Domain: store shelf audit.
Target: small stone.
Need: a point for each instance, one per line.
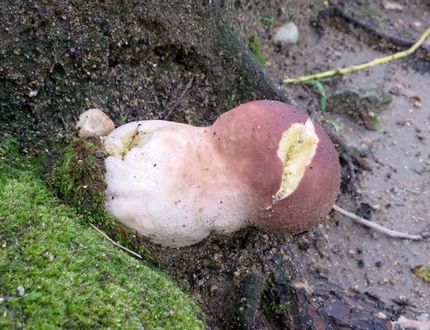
(32, 93)
(286, 34)
(417, 104)
(381, 316)
(350, 253)
(20, 290)
(213, 288)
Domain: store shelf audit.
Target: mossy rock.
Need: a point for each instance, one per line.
(56, 272)
(361, 103)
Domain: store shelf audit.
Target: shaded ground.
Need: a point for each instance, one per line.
(397, 188)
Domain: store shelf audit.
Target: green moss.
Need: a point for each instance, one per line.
(266, 20)
(78, 176)
(338, 126)
(55, 272)
(373, 15)
(422, 272)
(374, 121)
(256, 48)
(280, 308)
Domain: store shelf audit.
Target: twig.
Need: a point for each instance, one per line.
(116, 244)
(179, 99)
(379, 228)
(405, 323)
(337, 11)
(355, 68)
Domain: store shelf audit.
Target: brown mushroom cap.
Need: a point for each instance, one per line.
(249, 137)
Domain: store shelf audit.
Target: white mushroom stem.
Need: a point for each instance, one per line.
(379, 228)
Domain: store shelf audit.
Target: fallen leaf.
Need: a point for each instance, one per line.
(422, 272)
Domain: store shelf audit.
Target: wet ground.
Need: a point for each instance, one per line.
(397, 188)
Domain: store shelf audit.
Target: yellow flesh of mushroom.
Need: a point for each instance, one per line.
(296, 149)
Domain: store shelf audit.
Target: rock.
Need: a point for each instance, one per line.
(381, 316)
(32, 93)
(286, 34)
(20, 291)
(362, 103)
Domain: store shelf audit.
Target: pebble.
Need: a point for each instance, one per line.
(417, 104)
(351, 253)
(213, 288)
(32, 93)
(20, 290)
(423, 317)
(287, 34)
(381, 316)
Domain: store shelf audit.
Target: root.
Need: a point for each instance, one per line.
(116, 244)
(405, 323)
(336, 11)
(179, 99)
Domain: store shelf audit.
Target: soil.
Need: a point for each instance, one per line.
(128, 79)
(149, 60)
(397, 190)
(395, 186)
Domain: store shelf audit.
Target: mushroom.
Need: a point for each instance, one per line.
(263, 163)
